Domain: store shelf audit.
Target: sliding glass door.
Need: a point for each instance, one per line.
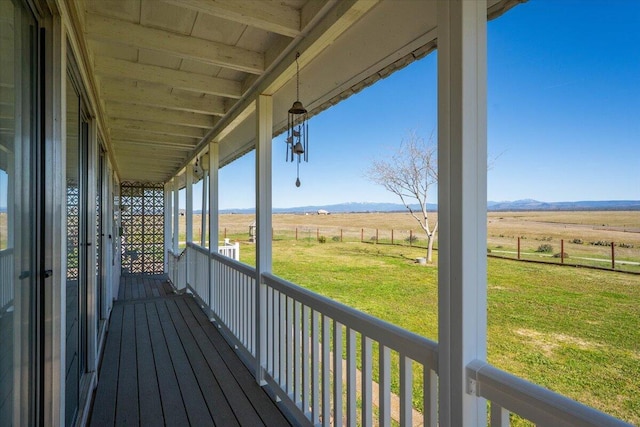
(18, 216)
(77, 247)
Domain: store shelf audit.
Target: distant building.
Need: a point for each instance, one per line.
(323, 212)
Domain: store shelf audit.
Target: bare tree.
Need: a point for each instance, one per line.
(409, 173)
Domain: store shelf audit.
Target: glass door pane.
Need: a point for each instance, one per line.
(17, 218)
(72, 370)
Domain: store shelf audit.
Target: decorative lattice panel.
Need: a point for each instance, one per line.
(73, 230)
(142, 216)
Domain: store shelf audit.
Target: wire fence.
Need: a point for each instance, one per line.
(603, 254)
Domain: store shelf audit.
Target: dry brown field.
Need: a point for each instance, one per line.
(585, 236)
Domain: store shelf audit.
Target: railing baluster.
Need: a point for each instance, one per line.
(326, 370)
(297, 353)
(306, 380)
(315, 367)
(367, 409)
(283, 341)
(352, 420)
(499, 416)
(290, 333)
(337, 373)
(269, 336)
(384, 401)
(430, 392)
(406, 391)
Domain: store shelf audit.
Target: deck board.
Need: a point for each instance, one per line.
(164, 363)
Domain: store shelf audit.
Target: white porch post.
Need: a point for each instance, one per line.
(168, 235)
(264, 135)
(213, 212)
(176, 215)
(203, 211)
(189, 202)
(213, 197)
(462, 206)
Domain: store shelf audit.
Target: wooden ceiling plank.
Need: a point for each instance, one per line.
(150, 144)
(159, 115)
(185, 80)
(159, 128)
(155, 98)
(133, 135)
(117, 31)
(268, 16)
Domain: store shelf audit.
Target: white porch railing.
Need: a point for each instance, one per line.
(6, 279)
(178, 268)
(318, 356)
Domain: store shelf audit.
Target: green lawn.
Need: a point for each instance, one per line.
(575, 331)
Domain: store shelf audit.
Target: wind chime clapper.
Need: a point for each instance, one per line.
(297, 129)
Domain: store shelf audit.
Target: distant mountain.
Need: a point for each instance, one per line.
(518, 205)
(535, 205)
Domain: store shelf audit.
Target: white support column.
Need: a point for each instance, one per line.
(168, 232)
(203, 211)
(176, 215)
(264, 135)
(189, 201)
(462, 205)
(214, 160)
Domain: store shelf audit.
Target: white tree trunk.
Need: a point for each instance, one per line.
(430, 239)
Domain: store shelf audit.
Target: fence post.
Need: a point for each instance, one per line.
(392, 236)
(561, 251)
(225, 232)
(361, 235)
(318, 234)
(518, 247)
(410, 237)
(613, 256)
(341, 235)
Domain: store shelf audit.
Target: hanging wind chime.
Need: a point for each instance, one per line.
(297, 129)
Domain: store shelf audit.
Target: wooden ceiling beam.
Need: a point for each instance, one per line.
(159, 128)
(112, 67)
(155, 98)
(219, 54)
(269, 16)
(159, 115)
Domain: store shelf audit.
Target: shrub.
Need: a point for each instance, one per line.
(488, 250)
(625, 245)
(336, 238)
(560, 255)
(600, 243)
(545, 248)
(373, 238)
(412, 239)
(577, 241)
(322, 239)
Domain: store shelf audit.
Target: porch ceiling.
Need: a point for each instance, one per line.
(172, 75)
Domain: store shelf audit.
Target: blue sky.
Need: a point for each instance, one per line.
(563, 115)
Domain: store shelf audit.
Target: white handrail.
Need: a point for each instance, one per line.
(530, 401)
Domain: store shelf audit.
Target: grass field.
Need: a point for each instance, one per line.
(3, 230)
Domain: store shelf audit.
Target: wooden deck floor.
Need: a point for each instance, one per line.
(164, 363)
